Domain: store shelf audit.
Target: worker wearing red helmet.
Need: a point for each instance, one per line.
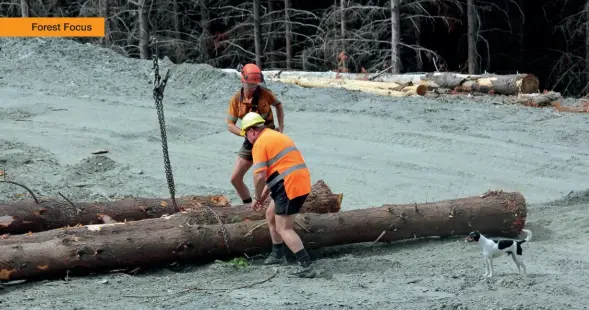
(252, 97)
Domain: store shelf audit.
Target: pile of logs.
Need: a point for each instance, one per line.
(399, 85)
(52, 238)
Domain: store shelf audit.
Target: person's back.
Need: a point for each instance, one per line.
(284, 163)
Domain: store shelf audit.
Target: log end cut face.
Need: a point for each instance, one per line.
(530, 84)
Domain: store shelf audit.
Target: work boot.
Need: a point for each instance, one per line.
(274, 260)
(303, 272)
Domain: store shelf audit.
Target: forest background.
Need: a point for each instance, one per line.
(547, 38)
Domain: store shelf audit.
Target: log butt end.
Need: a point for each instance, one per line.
(530, 84)
(421, 89)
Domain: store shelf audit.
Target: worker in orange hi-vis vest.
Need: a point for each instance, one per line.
(280, 171)
(251, 97)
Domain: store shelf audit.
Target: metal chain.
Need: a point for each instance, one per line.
(223, 230)
(158, 96)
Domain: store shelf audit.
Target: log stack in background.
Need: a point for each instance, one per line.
(399, 85)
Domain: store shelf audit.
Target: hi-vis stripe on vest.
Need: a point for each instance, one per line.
(276, 154)
(267, 164)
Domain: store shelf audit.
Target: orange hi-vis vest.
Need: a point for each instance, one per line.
(276, 153)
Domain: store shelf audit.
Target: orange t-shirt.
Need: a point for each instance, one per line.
(276, 153)
(239, 106)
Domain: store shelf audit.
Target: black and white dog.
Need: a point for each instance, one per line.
(495, 248)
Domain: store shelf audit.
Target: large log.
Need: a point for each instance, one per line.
(174, 238)
(536, 100)
(510, 84)
(28, 216)
(378, 88)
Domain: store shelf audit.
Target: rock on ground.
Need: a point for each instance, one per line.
(60, 101)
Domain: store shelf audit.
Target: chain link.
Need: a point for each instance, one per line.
(223, 230)
(158, 95)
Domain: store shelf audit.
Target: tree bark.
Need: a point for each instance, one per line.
(175, 239)
(510, 84)
(343, 22)
(179, 53)
(271, 37)
(537, 100)
(206, 38)
(288, 34)
(587, 47)
(257, 34)
(25, 11)
(417, 31)
(104, 9)
(377, 88)
(28, 216)
(471, 37)
(143, 20)
(395, 37)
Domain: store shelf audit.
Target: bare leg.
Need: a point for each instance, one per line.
(277, 255)
(271, 218)
(241, 167)
(285, 227)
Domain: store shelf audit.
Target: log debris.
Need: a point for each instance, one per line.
(175, 238)
(510, 84)
(28, 216)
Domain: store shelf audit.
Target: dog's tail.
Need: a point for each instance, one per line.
(528, 237)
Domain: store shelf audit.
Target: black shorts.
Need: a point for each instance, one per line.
(283, 205)
(245, 151)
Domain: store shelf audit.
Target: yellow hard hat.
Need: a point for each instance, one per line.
(249, 120)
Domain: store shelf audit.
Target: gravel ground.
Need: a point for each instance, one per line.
(60, 101)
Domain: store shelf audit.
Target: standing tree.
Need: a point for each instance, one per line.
(257, 33)
(288, 34)
(395, 36)
(104, 13)
(24, 8)
(471, 15)
(143, 21)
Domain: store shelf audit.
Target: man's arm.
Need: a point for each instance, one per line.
(280, 115)
(232, 118)
(277, 104)
(260, 184)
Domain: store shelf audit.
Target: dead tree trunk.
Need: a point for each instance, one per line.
(178, 48)
(24, 8)
(143, 21)
(343, 22)
(104, 13)
(205, 38)
(271, 37)
(417, 33)
(472, 35)
(257, 34)
(288, 34)
(395, 37)
(176, 239)
(587, 46)
(28, 216)
(520, 31)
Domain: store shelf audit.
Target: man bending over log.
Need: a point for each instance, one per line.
(252, 97)
(279, 170)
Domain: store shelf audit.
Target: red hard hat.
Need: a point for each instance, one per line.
(251, 73)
